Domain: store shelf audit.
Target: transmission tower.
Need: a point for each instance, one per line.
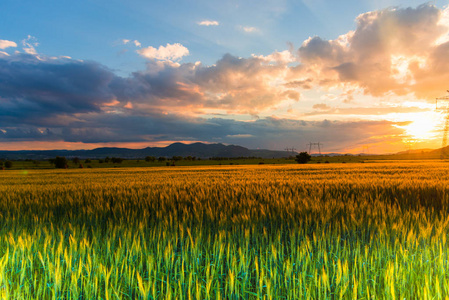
(292, 149)
(314, 144)
(444, 151)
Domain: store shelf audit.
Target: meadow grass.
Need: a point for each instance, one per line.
(354, 231)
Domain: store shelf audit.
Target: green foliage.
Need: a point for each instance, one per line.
(117, 160)
(60, 162)
(303, 158)
(150, 159)
(8, 164)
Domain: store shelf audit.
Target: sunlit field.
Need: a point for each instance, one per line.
(322, 231)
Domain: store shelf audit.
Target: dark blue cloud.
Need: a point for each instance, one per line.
(31, 87)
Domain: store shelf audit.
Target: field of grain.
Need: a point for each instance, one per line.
(338, 231)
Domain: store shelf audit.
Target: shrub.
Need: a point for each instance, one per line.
(150, 159)
(8, 164)
(116, 160)
(60, 162)
(303, 158)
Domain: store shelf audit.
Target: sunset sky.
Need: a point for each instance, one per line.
(357, 76)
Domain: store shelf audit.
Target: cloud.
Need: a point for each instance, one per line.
(396, 50)
(237, 85)
(208, 23)
(37, 89)
(321, 106)
(393, 51)
(29, 45)
(6, 44)
(81, 101)
(33, 88)
(171, 52)
(271, 133)
(249, 29)
(239, 136)
(135, 42)
(283, 57)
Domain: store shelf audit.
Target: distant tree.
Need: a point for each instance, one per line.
(303, 158)
(176, 158)
(1, 163)
(150, 159)
(8, 164)
(161, 158)
(87, 161)
(60, 162)
(76, 160)
(116, 160)
(107, 159)
(100, 161)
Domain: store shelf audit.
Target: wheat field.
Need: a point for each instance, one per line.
(335, 231)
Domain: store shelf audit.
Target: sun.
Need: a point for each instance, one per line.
(424, 126)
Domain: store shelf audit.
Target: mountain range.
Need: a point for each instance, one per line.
(199, 150)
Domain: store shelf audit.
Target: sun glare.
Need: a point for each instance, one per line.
(422, 127)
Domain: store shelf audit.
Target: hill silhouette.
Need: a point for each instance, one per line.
(200, 150)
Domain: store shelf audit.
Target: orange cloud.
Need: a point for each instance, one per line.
(392, 50)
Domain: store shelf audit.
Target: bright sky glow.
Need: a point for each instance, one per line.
(270, 74)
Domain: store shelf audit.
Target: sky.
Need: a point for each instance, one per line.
(356, 76)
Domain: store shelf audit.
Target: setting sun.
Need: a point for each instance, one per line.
(422, 128)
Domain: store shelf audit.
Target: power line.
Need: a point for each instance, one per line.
(314, 144)
(444, 151)
(292, 150)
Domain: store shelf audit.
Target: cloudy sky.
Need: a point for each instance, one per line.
(357, 75)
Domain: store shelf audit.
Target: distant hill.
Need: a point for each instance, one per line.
(177, 149)
(418, 151)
